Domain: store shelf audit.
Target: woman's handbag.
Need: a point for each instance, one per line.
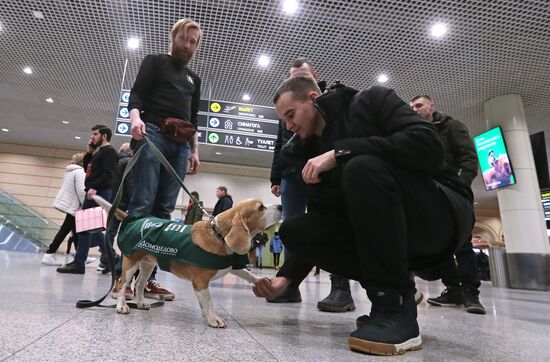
(91, 220)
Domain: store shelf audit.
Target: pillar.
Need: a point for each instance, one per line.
(527, 245)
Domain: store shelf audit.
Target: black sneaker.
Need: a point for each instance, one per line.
(362, 320)
(391, 328)
(339, 300)
(449, 298)
(289, 295)
(72, 268)
(472, 303)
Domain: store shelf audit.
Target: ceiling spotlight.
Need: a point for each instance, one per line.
(438, 30)
(38, 14)
(5, 130)
(49, 100)
(1, 27)
(65, 122)
(27, 70)
(382, 78)
(246, 97)
(263, 61)
(290, 6)
(133, 43)
(218, 153)
(77, 137)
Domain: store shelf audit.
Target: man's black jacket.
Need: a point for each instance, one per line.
(223, 203)
(460, 153)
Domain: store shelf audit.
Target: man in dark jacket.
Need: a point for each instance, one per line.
(225, 201)
(287, 182)
(377, 159)
(99, 164)
(460, 278)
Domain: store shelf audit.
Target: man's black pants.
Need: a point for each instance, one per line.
(462, 273)
(396, 221)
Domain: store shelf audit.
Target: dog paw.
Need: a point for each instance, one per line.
(216, 322)
(122, 308)
(144, 306)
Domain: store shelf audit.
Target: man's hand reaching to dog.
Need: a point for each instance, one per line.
(316, 165)
(270, 288)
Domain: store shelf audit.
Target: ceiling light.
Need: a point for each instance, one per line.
(290, 6)
(65, 122)
(5, 130)
(133, 43)
(1, 27)
(438, 30)
(246, 97)
(263, 61)
(382, 78)
(77, 137)
(27, 70)
(218, 153)
(38, 14)
(49, 100)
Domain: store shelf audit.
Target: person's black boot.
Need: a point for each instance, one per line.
(391, 327)
(450, 297)
(472, 303)
(339, 300)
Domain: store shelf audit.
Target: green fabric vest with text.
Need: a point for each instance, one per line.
(170, 240)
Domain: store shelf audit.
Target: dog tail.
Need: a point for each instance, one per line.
(106, 205)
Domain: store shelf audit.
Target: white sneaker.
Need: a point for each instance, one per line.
(89, 260)
(49, 259)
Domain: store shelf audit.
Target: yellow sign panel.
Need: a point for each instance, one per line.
(215, 107)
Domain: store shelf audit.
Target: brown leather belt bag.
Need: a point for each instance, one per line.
(177, 130)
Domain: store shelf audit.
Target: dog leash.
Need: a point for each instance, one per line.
(170, 170)
(110, 257)
(116, 202)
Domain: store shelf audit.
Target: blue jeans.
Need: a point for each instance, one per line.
(260, 254)
(155, 191)
(87, 240)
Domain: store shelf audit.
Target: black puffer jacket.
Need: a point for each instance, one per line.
(374, 121)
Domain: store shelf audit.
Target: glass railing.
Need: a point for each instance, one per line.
(24, 220)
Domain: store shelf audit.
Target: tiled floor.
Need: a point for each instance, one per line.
(39, 322)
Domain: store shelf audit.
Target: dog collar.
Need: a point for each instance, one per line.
(215, 228)
(220, 236)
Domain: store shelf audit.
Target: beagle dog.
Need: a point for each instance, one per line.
(210, 252)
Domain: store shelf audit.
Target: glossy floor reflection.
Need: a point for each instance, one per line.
(39, 322)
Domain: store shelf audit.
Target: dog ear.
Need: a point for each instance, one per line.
(238, 238)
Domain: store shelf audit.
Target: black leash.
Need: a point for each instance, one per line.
(110, 256)
(116, 202)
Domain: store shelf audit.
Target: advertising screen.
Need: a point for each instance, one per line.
(493, 159)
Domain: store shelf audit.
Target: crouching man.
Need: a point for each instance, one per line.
(383, 163)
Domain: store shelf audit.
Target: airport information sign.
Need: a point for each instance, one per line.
(221, 123)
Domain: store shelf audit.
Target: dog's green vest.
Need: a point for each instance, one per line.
(170, 240)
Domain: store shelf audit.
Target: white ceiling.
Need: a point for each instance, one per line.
(78, 52)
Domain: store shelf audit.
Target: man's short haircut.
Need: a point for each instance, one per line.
(299, 86)
(422, 96)
(301, 61)
(103, 130)
(184, 24)
(223, 188)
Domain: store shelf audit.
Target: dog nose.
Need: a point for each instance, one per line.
(280, 208)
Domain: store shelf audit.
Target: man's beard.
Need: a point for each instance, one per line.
(180, 57)
(98, 143)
